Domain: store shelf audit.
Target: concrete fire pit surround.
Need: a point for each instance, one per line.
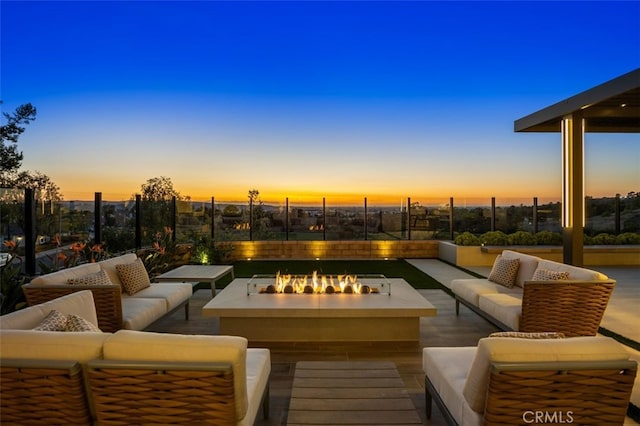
(320, 317)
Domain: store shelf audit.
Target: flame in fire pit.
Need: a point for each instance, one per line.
(316, 284)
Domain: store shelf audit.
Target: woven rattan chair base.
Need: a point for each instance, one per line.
(35, 393)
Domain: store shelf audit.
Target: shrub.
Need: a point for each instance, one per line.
(628, 238)
(467, 239)
(602, 239)
(548, 238)
(522, 238)
(494, 238)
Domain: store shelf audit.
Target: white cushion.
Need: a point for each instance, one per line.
(470, 289)
(172, 293)
(528, 265)
(79, 303)
(64, 275)
(575, 272)
(258, 370)
(139, 313)
(493, 349)
(109, 266)
(78, 346)
(447, 370)
(504, 307)
(142, 346)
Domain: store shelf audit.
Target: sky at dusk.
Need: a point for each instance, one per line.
(305, 100)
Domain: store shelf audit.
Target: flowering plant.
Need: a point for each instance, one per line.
(12, 278)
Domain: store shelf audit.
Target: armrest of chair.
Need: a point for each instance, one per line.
(107, 300)
(574, 308)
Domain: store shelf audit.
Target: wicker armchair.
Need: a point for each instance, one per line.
(42, 392)
(127, 392)
(107, 300)
(570, 307)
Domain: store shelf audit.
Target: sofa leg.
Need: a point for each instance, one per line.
(186, 311)
(457, 308)
(265, 403)
(427, 400)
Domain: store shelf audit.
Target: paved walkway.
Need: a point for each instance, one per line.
(621, 317)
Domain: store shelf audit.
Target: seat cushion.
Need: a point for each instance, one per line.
(447, 370)
(143, 346)
(504, 307)
(173, 294)
(258, 371)
(470, 289)
(139, 313)
(496, 349)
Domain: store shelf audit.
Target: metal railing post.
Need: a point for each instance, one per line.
(174, 220)
(213, 218)
(138, 217)
(493, 213)
(366, 220)
(324, 220)
(97, 218)
(250, 219)
(286, 219)
(29, 232)
(451, 218)
(534, 215)
(617, 215)
(408, 218)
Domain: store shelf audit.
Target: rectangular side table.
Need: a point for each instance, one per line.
(198, 274)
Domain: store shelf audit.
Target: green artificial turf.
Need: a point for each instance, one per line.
(388, 268)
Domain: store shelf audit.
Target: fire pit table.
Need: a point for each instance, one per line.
(392, 315)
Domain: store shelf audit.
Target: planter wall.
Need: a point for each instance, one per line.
(485, 256)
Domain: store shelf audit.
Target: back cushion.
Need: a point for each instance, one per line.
(528, 265)
(64, 275)
(497, 349)
(109, 266)
(146, 346)
(575, 272)
(69, 346)
(79, 303)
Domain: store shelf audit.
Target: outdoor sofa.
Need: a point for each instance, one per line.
(530, 294)
(126, 377)
(133, 303)
(526, 378)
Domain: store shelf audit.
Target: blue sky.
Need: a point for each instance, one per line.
(312, 99)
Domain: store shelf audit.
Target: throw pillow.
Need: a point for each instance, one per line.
(547, 275)
(54, 321)
(99, 278)
(505, 271)
(76, 323)
(134, 276)
(521, 335)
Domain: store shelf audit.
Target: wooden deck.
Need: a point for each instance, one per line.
(445, 329)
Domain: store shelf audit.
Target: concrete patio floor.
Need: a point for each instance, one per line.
(445, 329)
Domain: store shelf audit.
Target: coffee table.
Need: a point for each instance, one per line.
(198, 274)
(350, 393)
(320, 317)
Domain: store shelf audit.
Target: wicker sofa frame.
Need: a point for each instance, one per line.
(107, 300)
(118, 393)
(34, 391)
(569, 392)
(574, 308)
